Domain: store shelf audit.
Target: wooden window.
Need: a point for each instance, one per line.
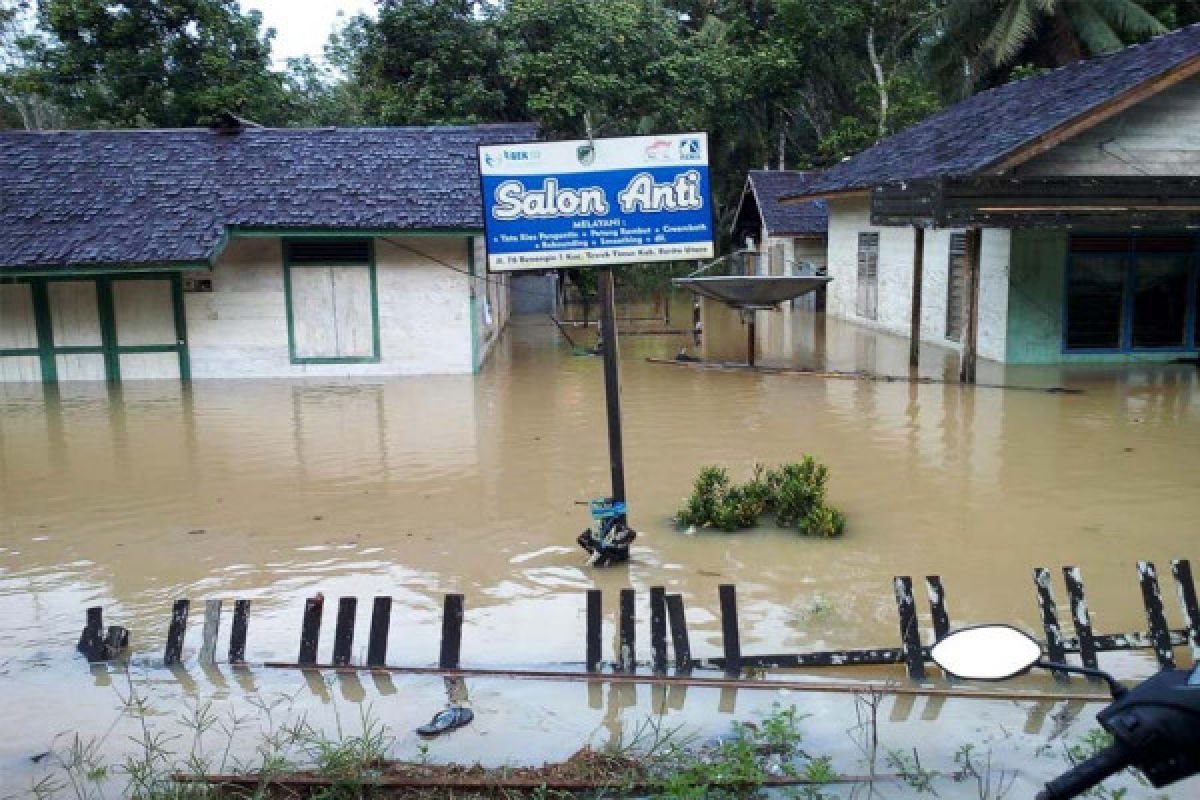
(332, 303)
(956, 286)
(868, 276)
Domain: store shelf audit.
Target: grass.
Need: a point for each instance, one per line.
(794, 493)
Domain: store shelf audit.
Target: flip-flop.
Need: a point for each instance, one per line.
(446, 720)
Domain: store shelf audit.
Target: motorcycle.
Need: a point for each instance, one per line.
(1155, 726)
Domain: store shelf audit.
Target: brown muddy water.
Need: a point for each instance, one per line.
(414, 487)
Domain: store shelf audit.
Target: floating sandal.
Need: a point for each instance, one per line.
(446, 720)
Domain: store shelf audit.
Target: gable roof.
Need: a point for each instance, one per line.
(987, 128)
(129, 197)
(760, 205)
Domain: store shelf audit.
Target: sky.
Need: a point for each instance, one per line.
(302, 26)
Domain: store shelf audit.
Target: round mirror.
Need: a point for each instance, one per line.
(986, 653)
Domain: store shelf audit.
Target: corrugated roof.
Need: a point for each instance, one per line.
(981, 130)
(166, 196)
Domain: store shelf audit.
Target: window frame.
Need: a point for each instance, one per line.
(860, 274)
(288, 266)
(1128, 295)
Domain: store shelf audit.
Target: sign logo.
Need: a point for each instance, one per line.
(586, 154)
(689, 149)
(659, 150)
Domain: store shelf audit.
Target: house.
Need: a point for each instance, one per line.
(784, 235)
(1061, 216)
(242, 251)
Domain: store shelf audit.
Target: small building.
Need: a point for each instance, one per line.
(242, 251)
(785, 236)
(1075, 235)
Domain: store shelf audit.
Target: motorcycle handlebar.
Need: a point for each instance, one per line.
(1086, 774)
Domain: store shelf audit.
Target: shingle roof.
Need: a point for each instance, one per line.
(794, 219)
(975, 133)
(166, 196)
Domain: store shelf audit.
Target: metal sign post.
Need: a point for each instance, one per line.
(598, 203)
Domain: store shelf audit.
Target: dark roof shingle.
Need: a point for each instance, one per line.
(166, 196)
(980, 130)
(793, 219)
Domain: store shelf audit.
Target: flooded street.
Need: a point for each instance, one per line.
(414, 487)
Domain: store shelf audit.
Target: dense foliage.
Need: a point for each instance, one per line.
(795, 83)
(794, 493)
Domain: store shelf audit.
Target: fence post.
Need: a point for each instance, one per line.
(1081, 619)
(1152, 599)
(910, 636)
(1049, 611)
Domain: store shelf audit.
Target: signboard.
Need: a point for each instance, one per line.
(555, 205)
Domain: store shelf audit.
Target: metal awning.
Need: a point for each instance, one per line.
(1060, 201)
(753, 292)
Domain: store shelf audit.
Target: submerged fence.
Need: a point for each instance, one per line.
(670, 644)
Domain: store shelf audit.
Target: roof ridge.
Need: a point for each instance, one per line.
(262, 129)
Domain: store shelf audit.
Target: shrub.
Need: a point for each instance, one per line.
(795, 493)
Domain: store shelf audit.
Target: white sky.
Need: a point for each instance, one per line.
(303, 26)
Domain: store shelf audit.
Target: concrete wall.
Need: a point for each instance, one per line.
(848, 217)
(1159, 136)
(534, 294)
(240, 328)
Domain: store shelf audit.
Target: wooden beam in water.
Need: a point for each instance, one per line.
(452, 621)
(237, 633)
(381, 620)
(343, 632)
(173, 653)
(910, 634)
(1152, 599)
(310, 629)
(1081, 618)
(1186, 589)
(595, 625)
(658, 627)
(208, 634)
(914, 330)
(680, 643)
(731, 641)
(937, 607)
(967, 368)
(1049, 612)
(627, 635)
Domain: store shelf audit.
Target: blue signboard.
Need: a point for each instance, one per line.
(554, 205)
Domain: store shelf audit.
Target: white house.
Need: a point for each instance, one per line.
(244, 251)
(1097, 279)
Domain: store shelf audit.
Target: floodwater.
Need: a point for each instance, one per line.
(414, 487)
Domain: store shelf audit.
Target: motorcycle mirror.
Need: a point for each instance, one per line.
(987, 653)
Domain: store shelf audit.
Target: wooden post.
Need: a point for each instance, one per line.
(595, 607)
(179, 614)
(731, 640)
(208, 635)
(1182, 570)
(377, 644)
(1152, 599)
(658, 627)
(910, 635)
(343, 632)
(974, 241)
(237, 633)
(751, 336)
(1081, 618)
(1049, 611)
(452, 620)
(937, 607)
(91, 640)
(310, 629)
(914, 342)
(679, 634)
(612, 387)
(627, 657)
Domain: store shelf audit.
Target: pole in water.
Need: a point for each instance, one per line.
(609, 544)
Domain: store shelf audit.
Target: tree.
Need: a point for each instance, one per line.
(159, 63)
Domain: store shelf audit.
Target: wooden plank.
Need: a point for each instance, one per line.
(680, 642)
(595, 625)
(1152, 599)
(627, 636)
(937, 607)
(343, 632)
(381, 620)
(658, 628)
(310, 630)
(879, 656)
(1049, 613)
(1185, 587)
(969, 359)
(174, 651)
(452, 621)
(237, 633)
(1081, 618)
(910, 635)
(914, 331)
(731, 641)
(208, 635)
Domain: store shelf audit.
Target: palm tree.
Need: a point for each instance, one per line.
(981, 41)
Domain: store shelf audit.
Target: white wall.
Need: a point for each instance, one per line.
(849, 217)
(1158, 136)
(240, 328)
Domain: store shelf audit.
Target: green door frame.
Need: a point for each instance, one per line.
(109, 348)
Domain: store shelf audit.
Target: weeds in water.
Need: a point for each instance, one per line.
(909, 769)
(795, 493)
(990, 784)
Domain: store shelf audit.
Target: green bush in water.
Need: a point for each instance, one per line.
(795, 493)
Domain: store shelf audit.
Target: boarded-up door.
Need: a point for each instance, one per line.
(332, 310)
